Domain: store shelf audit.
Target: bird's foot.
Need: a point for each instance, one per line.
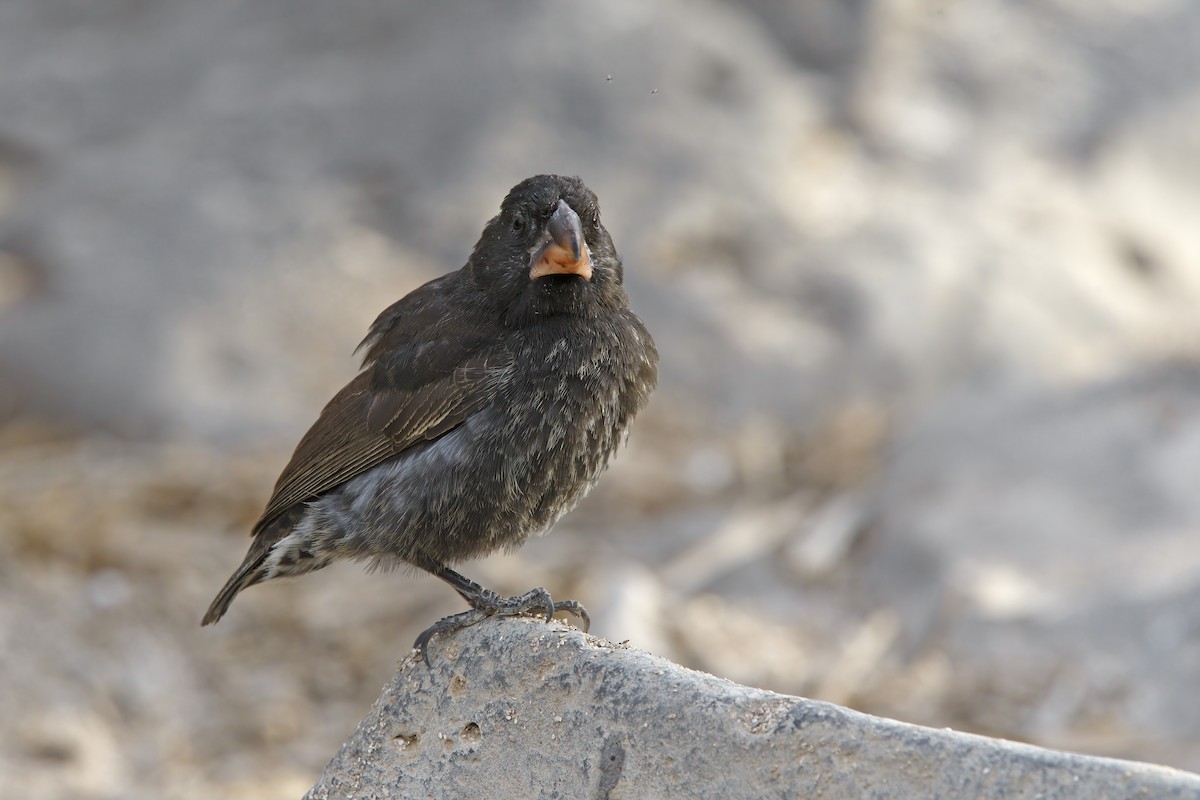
(486, 603)
(454, 622)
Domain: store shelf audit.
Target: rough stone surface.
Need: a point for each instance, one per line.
(515, 709)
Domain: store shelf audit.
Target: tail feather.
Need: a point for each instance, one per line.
(253, 569)
(250, 573)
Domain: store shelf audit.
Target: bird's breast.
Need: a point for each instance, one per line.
(566, 409)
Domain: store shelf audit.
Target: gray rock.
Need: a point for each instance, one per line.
(203, 205)
(515, 709)
(1058, 537)
(223, 196)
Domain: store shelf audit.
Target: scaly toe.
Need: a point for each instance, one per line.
(575, 608)
(450, 624)
(535, 602)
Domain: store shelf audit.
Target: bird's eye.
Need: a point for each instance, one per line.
(518, 223)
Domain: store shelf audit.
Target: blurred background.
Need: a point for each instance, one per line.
(924, 276)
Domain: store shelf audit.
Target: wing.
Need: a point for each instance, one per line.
(427, 369)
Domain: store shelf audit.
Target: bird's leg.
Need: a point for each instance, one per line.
(486, 603)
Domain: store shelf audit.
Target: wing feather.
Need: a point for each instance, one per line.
(361, 428)
(426, 371)
(432, 360)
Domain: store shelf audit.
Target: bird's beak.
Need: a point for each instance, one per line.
(563, 250)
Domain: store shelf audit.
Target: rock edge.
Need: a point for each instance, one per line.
(519, 709)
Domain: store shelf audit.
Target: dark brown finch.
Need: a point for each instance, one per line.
(489, 402)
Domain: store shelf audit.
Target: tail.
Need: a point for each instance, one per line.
(248, 574)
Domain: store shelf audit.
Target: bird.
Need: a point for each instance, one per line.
(489, 402)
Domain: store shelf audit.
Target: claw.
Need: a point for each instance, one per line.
(490, 604)
(454, 622)
(575, 608)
